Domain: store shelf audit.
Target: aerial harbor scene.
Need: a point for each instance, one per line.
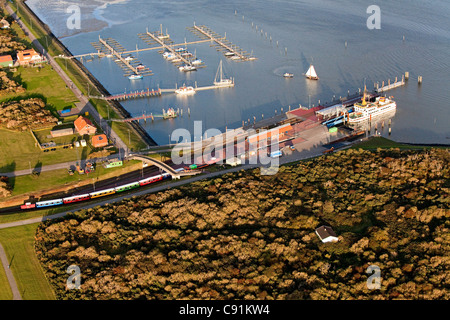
(207, 151)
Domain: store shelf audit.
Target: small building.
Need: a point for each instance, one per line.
(83, 143)
(61, 132)
(84, 126)
(6, 61)
(326, 234)
(99, 141)
(4, 24)
(28, 57)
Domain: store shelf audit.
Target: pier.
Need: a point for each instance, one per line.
(222, 44)
(112, 48)
(152, 93)
(390, 85)
(131, 95)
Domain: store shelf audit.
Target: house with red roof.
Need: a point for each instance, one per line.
(84, 126)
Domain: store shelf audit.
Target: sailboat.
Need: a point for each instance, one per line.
(311, 73)
(219, 80)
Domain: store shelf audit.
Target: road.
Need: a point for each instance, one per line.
(9, 275)
(80, 96)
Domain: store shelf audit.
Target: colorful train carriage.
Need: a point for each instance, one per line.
(102, 193)
(127, 187)
(78, 198)
(150, 180)
(49, 203)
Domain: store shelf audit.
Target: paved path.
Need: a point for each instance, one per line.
(9, 275)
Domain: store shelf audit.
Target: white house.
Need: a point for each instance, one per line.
(326, 234)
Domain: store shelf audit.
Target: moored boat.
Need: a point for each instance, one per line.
(219, 80)
(365, 110)
(135, 77)
(187, 68)
(185, 90)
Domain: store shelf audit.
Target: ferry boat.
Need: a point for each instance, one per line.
(288, 75)
(135, 77)
(367, 110)
(185, 90)
(219, 80)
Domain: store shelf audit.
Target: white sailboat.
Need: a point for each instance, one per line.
(311, 73)
(219, 80)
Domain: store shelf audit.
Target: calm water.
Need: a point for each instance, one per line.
(312, 31)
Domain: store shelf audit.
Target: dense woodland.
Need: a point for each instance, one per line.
(247, 236)
(8, 85)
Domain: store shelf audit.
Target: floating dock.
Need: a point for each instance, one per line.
(221, 43)
(130, 65)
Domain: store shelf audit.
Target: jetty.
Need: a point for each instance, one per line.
(130, 95)
(390, 85)
(171, 113)
(221, 43)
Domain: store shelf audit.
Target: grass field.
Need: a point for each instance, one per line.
(18, 152)
(45, 83)
(18, 243)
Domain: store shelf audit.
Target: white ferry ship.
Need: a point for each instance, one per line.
(367, 110)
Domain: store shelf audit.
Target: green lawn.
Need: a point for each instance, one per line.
(19, 246)
(18, 152)
(45, 83)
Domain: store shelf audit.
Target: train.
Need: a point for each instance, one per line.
(97, 194)
(110, 191)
